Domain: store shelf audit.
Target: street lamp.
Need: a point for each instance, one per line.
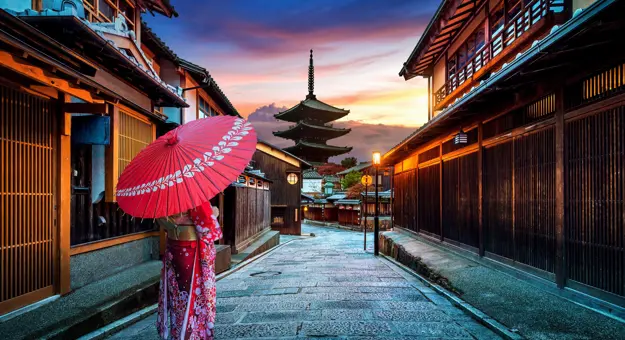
(376, 219)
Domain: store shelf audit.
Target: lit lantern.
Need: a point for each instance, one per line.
(305, 208)
(292, 178)
(376, 158)
(461, 138)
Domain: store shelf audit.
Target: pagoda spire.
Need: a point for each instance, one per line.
(311, 78)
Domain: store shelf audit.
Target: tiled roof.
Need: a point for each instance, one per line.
(208, 79)
(331, 179)
(312, 174)
(359, 167)
(336, 197)
(348, 202)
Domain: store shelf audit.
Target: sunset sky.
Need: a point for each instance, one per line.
(257, 51)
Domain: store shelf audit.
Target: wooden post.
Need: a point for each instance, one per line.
(560, 159)
(440, 188)
(112, 156)
(65, 195)
(480, 187)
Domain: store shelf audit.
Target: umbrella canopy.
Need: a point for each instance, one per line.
(186, 167)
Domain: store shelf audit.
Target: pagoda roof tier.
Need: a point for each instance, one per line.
(316, 152)
(303, 129)
(312, 109)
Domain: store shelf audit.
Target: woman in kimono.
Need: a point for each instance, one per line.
(186, 304)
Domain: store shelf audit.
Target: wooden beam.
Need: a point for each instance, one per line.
(112, 156)
(86, 108)
(440, 188)
(64, 196)
(24, 68)
(480, 188)
(92, 246)
(47, 91)
(560, 160)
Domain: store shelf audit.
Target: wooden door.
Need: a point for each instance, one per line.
(82, 226)
(27, 198)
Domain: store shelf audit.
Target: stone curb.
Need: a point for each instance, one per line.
(145, 312)
(475, 313)
(120, 324)
(144, 295)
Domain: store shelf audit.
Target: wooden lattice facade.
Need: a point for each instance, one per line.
(539, 183)
(27, 195)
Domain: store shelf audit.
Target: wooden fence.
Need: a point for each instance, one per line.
(247, 213)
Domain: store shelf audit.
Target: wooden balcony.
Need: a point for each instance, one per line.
(514, 37)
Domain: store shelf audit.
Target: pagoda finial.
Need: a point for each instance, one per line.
(311, 78)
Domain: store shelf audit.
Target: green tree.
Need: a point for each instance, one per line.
(349, 162)
(350, 179)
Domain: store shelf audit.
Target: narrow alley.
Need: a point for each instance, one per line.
(327, 286)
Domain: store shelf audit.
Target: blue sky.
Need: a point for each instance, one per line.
(258, 52)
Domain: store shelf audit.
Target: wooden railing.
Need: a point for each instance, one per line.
(498, 43)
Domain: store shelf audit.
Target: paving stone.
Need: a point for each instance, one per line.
(343, 305)
(329, 288)
(258, 307)
(346, 314)
(256, 330)
(431, 329)
(228, 318)
(333, 328)
(281, 316)
(403, 315)
(226, 308)
(401, 305)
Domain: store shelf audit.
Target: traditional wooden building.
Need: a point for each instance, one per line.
(521, 159)
(312, 129)
(285, 171)
(349, 212)
(78, 98)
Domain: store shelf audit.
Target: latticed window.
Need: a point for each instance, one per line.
(107, 10)
(134, 135)
(204, 109)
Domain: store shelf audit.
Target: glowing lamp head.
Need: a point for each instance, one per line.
(376, 158)
(292, 178)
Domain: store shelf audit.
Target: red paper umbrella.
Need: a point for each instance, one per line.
(186, 167)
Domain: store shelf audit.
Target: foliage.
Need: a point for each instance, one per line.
(329, 169)
(349, 162)
(351, 179)
(355, 190)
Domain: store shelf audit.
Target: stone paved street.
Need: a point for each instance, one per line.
(327, 286)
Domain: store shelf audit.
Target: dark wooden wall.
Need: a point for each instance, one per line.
(524, 196)
(349, 217)
(247, 214)
(286, 197)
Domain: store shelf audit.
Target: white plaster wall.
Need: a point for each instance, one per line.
(311, 185)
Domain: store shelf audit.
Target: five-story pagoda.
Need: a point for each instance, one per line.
(312, 131)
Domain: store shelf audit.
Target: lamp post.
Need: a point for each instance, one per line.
(376, 219)
(366, 180)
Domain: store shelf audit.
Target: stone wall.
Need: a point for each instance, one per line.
(98, 264)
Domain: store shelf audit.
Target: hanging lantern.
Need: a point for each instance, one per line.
(292, 178)
(461, 138)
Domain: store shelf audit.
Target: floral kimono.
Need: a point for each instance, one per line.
(186, 304)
